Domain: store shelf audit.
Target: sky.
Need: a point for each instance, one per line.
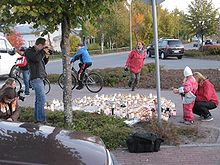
(183, 4)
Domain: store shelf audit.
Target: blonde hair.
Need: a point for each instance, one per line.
(199, 76)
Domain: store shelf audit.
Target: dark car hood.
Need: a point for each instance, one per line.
(41, 144)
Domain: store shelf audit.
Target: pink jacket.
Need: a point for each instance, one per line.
(135, 61)
(190, 84)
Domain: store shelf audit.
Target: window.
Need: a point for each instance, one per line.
(175, 43)
(3, 46)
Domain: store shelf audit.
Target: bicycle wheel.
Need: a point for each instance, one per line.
(15, 72)
(61, 81)
(94, 82)
(18, 84)
(47, 86)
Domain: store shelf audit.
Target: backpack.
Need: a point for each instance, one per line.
(21, 61)
(143, 142)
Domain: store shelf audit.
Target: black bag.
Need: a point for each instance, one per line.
(143, 142)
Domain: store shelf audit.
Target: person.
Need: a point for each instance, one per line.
(37, 57)
(187, 91)
(206, 97)
(10, 82)
(85, 61)
(134, 63)
(25, 72)
(8, 104)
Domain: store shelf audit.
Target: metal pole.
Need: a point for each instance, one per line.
(130, 27)
(154, 11)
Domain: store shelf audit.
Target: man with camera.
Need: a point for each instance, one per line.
(37, 57)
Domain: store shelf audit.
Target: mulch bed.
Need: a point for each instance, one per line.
(173, 78)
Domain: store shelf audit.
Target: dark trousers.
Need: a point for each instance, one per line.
(202, 108)
(82, 68)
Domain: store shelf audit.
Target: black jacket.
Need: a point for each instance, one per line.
(36, 60)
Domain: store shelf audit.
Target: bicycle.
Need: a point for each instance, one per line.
(16, 73)
(92, 80)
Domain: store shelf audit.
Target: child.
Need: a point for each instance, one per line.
(134, 63)
(187, 91)
(25, 72)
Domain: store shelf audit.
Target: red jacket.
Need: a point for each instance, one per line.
(207, 92)
(135, 61)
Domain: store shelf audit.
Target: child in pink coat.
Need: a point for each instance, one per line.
(187, 91)
(134, 63)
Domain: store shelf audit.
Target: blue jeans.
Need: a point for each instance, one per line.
(39, 112)
(25, 74)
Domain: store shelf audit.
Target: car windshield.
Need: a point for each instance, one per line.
(175, 43)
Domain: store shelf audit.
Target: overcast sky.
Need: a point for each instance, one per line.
(183, 4)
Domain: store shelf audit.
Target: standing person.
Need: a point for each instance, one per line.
(134, 63)
(8, 104)
(85, 61)
(187, 91)
(206, 97)
(37, 57)
(25, 72)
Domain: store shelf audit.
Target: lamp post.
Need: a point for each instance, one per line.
(154, 13)
(130, 3)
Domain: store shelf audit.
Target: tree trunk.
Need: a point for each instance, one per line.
(67, 92)
(102, 42)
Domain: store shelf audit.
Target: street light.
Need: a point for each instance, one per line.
(154, 13)
(130, 3)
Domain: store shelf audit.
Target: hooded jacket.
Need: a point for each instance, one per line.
(135, 61)
(206, 92)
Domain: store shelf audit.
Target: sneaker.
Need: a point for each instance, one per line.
(129, 84)
(187, 122)
(209, 118)
(79, 87)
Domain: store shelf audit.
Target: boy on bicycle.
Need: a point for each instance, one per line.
(85, 61)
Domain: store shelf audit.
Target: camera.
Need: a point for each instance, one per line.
(50, 51)
(20, 97)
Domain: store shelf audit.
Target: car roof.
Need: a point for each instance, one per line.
(33, 143)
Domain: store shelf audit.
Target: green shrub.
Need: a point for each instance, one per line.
(53, 78)
(112, 130)
(94, 46)
(194, 53)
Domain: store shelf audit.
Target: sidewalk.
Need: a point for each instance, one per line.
(205, 154)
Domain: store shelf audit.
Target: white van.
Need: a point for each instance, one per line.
(8, 56)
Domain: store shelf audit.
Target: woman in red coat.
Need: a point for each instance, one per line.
(134, 63)
(206, 97)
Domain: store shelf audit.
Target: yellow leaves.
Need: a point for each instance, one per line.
(138, 18)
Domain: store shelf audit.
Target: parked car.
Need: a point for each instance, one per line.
(167, 48)
(208, 42)
(28, 143)
(8, 56)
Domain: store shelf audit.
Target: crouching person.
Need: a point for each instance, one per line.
(8, 104)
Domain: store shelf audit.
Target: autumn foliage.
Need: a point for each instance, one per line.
(15, 39)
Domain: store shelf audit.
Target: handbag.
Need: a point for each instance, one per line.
(188, 98)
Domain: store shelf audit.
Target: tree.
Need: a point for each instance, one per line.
(51, 14)
(15, 39)
(202, 18)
